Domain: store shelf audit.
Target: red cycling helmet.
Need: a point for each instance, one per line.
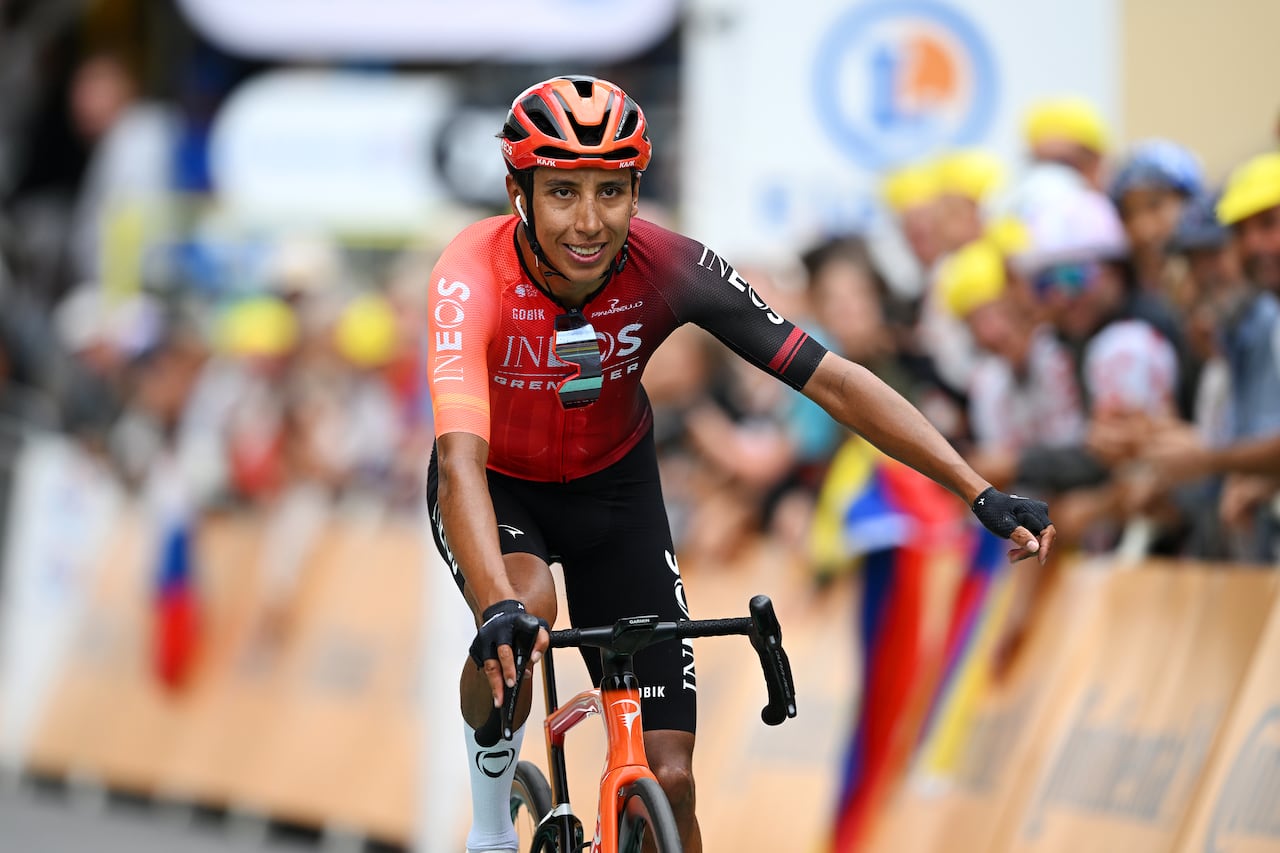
(575, 122)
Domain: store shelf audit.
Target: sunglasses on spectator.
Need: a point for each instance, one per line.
(1070, 279)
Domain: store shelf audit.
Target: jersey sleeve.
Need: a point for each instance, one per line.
(462, 316)
(710, 293)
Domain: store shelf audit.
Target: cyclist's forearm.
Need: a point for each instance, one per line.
(858, 399)
(469, 522)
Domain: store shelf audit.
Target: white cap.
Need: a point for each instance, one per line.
(1080, 225)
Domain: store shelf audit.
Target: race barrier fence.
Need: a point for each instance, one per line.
(1142, 712)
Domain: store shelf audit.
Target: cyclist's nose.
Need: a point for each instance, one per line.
(588, 218)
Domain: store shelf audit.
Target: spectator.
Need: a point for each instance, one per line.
(1024, 391)
(965, 179)
(1152, 184)
(1126, 367)
(1068, 131)
(1250, 207)
(911, 195)
(131, 150)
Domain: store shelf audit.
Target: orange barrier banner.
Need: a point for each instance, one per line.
(973, 764)
(307, 716)
(1172, 647)
(1238, 806)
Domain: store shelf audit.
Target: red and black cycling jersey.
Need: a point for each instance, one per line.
(492, 370)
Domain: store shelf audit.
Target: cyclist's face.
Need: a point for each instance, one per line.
(582, 217)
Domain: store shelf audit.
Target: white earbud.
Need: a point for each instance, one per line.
(520, 210)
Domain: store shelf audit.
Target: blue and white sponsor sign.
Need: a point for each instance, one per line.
(795, 111)
(895, 81)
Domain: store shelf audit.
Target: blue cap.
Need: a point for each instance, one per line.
(1158, 163)
(1198, 227)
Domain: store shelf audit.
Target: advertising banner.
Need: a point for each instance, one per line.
(341, 150)
(1173, 646)
(439, 30)
(283, 709)
(1238, 807)
(793, 112)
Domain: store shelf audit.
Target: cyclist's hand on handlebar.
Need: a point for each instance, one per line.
(492, 647)
(1022, 520)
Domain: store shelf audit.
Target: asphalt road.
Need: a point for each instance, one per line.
(36, 819)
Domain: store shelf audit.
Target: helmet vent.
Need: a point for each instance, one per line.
(585, 86)
(513, 130)
(553, 153)
(537, 112)
(630, 118)
(588, 134)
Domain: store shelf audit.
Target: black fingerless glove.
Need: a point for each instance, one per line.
(1002, 514)
(497, 628)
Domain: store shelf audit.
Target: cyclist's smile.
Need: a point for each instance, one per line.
(582, 218)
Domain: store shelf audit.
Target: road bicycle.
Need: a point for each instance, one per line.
(632, 807)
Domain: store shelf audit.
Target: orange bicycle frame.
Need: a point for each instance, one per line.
(625, 760)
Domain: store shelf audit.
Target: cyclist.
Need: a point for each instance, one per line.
(540, 326)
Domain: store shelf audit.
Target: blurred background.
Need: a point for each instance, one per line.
(1055, 227)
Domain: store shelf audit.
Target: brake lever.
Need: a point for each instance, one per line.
(500, 722)
(766, 638)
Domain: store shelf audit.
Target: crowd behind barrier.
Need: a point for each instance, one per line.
(187, 405)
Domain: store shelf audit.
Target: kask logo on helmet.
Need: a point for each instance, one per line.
(894, 81)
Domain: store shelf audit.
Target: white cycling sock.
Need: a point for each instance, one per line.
(492, 769)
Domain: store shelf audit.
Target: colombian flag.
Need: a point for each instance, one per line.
(978, 616)
(175, 617)
(898, 526)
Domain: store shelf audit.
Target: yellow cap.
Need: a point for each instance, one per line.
(260, 326)
(1073, 119)
(1252, 188)
(971, 277)
(366, 333)
(910, 186)
(971, 173)
(1008, 234)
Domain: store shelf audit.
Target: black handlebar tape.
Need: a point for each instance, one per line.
(766, 637)
(500, 722)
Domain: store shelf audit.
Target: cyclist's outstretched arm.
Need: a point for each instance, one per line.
(857, 398)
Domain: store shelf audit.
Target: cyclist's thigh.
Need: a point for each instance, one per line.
(518, 534)
(619, 561)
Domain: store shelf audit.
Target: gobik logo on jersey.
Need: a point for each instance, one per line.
(894, 81)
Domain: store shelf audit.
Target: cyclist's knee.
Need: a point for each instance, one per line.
(534, 585)
(676, 779)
